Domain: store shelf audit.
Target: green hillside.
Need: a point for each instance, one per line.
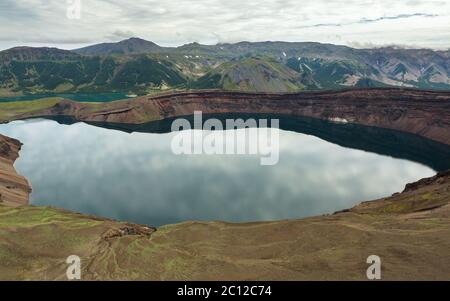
(251, 74)
(137, 66)
(90, 74)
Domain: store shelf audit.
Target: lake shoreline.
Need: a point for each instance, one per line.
(414, 111)
(414, 223)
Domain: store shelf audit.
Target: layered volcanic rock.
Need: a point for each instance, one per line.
(14, 188)
(425, 113)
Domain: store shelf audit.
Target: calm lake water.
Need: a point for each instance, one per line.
(136, 177)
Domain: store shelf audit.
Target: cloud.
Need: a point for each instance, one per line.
(176, 22)
(365, 21)
(401, 16)
(369, 45)
(119, 35)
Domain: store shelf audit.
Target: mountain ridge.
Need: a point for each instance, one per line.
(142, 67)
(128, 46)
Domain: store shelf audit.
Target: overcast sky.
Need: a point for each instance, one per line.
(362, 23)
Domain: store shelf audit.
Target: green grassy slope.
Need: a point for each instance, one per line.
(90, 74)
(251, 74)
(9, 110)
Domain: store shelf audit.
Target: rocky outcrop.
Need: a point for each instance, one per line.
(425, 113)
(424, 196)
(438, 178)
(14, 188)
(128, 229)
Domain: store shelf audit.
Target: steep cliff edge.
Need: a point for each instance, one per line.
(14, 188)
(425, 113)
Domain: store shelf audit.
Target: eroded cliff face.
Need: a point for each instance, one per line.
(14, 188)
(425, 113)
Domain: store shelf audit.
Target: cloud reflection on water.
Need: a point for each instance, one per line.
(136, 177)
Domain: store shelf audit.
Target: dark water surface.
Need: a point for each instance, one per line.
(108, 171)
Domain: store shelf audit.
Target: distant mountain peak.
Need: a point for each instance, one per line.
(136, 40)
(26, 53)
(29, 48)
(133, 45)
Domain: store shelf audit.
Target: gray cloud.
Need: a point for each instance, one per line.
(120, 34)
(401, 16)
(364, 20)
(175, 22)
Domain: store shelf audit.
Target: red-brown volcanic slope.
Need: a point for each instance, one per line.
(425, 113)
(14, 189)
